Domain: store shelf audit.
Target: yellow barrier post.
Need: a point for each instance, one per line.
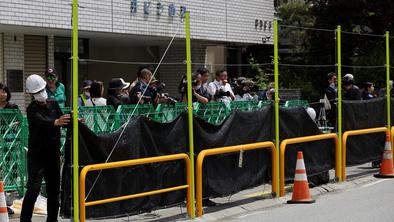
(232, 149)
(304, 139)
(355, 133)
(127, 163)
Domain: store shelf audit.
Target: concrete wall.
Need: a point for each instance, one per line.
(218, 20)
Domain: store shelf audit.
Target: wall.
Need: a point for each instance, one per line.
(174, 65)
(14, 59)
(217, 20)
(104, 71)
(1, 58)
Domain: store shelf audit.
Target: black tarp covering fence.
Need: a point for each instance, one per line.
(362, 115)
(221, 174)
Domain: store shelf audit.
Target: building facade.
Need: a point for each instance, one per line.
(116, 36)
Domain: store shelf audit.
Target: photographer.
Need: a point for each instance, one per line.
(137, 92)
(220, 89)
(244, 92)
(198, 96)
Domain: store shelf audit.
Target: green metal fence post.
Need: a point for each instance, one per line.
(75, 112)
(339, 66)
(190, 107)
(276, 76)
(388, 80)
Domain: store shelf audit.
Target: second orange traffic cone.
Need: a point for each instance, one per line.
(301, 187)
(386, 167)
(3, 205)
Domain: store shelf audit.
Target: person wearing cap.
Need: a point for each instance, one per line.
(45, 118)
(350, 91)
(85, 95)
(142, 92)
(115, 87)
(54, 88)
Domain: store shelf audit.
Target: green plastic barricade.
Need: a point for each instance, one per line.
(125, 112)
(13, 139)
(213, 112)
(100, 119)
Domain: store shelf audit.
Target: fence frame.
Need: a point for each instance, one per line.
(232, 149)
(357, 133)
(304, 139)
(127, 163)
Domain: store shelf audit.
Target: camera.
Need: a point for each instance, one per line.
(182, 88)
(220, 94)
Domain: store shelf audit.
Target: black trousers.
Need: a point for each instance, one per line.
(39, 168)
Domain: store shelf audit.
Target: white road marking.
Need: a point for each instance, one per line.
(374, 183)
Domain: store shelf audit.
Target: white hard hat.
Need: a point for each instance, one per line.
(311, 112)
(35, 83)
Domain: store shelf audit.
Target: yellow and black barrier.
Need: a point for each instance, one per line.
(127, 163)
(232, 149)
(356, 133)
(305, 139)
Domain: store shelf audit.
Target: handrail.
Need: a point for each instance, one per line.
(304, 139)
(128, 163)
(232, 149)
(355, 133)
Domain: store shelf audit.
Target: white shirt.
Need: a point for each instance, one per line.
(96, 102)
(216, 85)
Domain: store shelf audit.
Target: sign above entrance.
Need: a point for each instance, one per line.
(149, 8)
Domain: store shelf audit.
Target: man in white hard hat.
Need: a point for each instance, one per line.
(43, 158)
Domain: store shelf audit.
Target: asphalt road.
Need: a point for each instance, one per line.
(369, 202)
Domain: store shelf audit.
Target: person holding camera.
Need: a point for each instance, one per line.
(220, 90)
(244, 90)
(197, 92)
(142, 92)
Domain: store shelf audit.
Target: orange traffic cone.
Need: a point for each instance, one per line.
(386, 167)
(301, 187)
(3, 205)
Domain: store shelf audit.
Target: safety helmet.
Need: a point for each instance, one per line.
(35, 83)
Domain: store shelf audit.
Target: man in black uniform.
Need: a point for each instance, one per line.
(43, 158)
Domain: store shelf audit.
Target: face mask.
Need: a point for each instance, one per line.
(87, 94)
(41, 96)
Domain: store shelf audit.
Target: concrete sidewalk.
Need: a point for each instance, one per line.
(243, 202)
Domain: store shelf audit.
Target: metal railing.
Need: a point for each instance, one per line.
(355, 133)
(304, 139)
(127, 163)
(232, 149)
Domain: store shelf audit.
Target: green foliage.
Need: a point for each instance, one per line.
(258, 73)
